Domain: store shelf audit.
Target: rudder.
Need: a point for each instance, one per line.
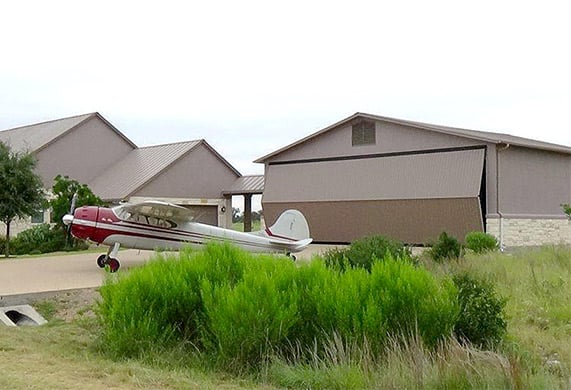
(291, 224)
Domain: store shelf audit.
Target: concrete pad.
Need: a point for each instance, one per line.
(54, 273)
(78, 270)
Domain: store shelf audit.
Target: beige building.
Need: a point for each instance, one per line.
(91, 150)
(369, 174)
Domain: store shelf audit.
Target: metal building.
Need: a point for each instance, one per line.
(369, 174)
(91, 150)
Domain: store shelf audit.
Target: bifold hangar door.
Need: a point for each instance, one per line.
(411, 196)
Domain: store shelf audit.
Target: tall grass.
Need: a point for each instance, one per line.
(311, 326)
(406, 364)
(537, 286)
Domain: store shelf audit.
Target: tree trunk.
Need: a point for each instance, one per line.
(7, 246)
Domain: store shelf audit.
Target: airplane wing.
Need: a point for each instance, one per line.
(157, 209)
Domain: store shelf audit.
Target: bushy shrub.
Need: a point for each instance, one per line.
(446, 248)
(240, 309)
(481, 242)
(481, 320)
(2, 245)
(38, 239)
(364, 252)
(43, 238)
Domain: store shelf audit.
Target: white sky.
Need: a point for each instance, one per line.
(253, 76)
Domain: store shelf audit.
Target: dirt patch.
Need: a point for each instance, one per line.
(64, 305)
(75, 303)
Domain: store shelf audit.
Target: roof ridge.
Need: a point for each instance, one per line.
(51, 121)
(171, 143)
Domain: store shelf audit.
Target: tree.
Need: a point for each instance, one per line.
(21, 189)
(237, 215)
(63, 189)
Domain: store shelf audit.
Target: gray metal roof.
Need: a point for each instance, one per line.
(32, 138)
(490, 137)
(138, 168)
(251, 184)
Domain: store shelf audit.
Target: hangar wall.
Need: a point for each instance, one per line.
(411, 196)
(532, 185)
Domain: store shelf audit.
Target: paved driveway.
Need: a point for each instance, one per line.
(53, 273)
(75, 271)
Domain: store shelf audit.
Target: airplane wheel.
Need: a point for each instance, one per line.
(293, 257)
(113, 265)
(101, 261)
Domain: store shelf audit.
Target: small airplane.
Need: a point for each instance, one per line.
(160, 225)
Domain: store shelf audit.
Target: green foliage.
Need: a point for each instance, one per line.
(21, 189)
(446, 248)
(481, 320)
(240, 309)
(480, 242)
(567, 209)
(64, 189)
(364, 252)
(38, 239)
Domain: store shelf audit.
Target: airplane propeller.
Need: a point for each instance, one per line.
(68, 218)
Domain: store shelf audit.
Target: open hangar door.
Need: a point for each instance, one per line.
(412, 196)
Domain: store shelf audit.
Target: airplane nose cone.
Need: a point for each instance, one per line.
(67, 219)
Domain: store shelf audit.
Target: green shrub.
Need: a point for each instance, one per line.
(481, 320)
(2, 245)
(481, 242)
(38, 239)
(413, 302)
(364, 252)
(446, 248)
(240, 309)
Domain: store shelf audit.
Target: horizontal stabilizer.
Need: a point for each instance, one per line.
(294, 246)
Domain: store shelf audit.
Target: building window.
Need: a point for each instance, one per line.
(364, 133)
(38, 217)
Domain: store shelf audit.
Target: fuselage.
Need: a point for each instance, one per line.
(103, 226)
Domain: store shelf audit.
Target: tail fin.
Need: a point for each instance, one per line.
(291, 224)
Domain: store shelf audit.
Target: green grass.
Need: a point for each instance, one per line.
(536, 353)
(63, 356)
(239, 226)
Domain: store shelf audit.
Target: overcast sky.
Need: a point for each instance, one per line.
(253, 76)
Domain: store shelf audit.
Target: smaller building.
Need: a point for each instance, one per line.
(369, 174)
(89, 149)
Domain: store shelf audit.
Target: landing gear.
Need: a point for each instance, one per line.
(112, 265)
(101, 261)
(109, 261)
(291, 256)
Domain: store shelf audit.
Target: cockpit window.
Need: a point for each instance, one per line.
(144, 219)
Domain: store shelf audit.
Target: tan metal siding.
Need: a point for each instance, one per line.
(137, 168)
(414, 221)
(533, 181)
(423, 176)
(390, 138)
(199, 174)
(83, 153)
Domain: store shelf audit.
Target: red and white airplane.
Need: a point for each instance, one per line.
(160, 225)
